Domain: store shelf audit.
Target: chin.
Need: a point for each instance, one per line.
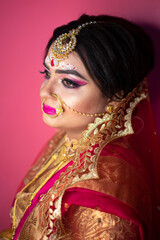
(51, 122)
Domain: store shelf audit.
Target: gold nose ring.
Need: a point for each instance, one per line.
(59, 109)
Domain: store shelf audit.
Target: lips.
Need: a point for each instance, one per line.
(49, 110)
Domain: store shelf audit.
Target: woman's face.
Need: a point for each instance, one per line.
(76, 88)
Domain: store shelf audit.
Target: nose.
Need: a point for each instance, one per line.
(46, 91)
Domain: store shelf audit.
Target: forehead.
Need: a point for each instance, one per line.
(72, 61)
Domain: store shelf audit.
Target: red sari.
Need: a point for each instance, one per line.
(107, 190)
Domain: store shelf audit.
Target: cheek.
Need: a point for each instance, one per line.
(86, 103)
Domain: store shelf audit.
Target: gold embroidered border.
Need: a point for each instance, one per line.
(99, 133)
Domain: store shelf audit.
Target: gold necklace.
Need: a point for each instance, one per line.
(71, 145)
(61, 156)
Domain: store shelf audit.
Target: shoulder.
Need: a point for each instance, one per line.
(87, 223)
(121, 179)
(44, 155)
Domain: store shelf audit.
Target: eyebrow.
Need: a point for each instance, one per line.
(73, 72)
(61, 71)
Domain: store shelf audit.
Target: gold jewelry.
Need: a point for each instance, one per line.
(110, 109)
(66, 151)
(65, 43)
(71, 145)
(84, 114)
(58, 109)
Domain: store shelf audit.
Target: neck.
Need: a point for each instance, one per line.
(74, 134)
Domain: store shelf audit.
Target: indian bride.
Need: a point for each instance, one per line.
(98, 176)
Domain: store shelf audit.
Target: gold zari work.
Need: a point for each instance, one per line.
(91, 224)
(58, 159)
(6, 234)
(84, 167)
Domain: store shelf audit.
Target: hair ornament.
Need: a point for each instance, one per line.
(65, 44)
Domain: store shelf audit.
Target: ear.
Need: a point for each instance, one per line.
(111, 106)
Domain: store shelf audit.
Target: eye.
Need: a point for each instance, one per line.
(47, 73)
(69, 83)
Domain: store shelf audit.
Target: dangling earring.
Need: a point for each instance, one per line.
(110, 109)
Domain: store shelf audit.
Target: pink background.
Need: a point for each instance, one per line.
(26, 26)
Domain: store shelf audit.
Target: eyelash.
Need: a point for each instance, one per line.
(65, 81)
(47, 74)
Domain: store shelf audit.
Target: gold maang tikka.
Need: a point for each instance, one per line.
(65, 44)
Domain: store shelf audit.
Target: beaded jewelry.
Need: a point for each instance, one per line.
(84, 114)
(65, 44)
(59, 109)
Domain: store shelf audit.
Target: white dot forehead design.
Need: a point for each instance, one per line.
(62, 65)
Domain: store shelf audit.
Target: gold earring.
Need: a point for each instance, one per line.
(110, 109)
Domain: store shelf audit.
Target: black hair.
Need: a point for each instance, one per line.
(117, 54)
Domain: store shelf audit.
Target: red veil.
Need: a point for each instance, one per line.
(146, 144)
